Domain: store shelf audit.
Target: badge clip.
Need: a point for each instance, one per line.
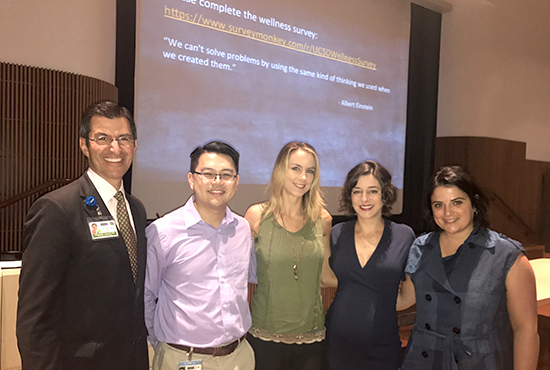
(91, 202)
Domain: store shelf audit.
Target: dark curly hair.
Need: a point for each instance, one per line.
(389, 191)
(457, 176)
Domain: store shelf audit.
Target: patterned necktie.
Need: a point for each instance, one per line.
(127, 231)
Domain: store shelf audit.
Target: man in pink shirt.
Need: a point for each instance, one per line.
(196, 308)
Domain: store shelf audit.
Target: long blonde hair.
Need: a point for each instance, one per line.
(312, 201)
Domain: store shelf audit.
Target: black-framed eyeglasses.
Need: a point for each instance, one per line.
(104, 140)
(225, 177)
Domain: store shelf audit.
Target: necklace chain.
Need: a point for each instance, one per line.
(294, 255)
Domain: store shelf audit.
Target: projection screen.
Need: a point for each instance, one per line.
(258, 74)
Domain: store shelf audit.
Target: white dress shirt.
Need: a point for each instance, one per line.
(107, 193)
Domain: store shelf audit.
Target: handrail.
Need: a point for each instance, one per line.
(494, 196)
(33, 191)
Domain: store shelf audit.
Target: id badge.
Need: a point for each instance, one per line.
(190, 365)
(102, 227)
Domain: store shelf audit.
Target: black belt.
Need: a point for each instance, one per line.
(214, 351)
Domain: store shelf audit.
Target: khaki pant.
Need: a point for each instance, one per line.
(167, 358)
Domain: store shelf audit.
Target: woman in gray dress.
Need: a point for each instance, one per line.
(475, 289)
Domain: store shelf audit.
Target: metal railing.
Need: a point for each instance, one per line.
(43, 188)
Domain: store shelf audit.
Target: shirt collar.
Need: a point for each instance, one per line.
(106, 191)
(192, 216)
(481, 239)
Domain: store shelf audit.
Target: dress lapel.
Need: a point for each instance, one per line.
(434, 266)
(370, 269)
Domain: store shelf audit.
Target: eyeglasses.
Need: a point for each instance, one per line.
(123, 140)
(225, 177)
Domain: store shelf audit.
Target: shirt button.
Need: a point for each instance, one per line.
(471, 245)
(457, 299)
(456, 330)
(428, 327)
(424, 354)
(428, 297)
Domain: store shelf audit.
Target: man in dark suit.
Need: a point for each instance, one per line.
(81, 292)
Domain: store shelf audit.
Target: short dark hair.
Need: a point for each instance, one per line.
(214, 146)
(107, 109)
(389, 191)
(457, 176)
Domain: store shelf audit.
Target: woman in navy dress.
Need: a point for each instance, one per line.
(368, 257)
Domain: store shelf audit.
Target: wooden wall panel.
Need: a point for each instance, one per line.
(544, 225)
(450, 151)
(39, 114)
(513, 184)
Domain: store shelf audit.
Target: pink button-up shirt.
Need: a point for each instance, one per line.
(196, 279)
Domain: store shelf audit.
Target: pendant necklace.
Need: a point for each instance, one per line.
(294, 255)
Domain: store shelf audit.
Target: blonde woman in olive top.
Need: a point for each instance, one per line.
(292, 235)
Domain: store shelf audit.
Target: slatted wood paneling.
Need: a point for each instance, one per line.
(39, 114)
(513, 184)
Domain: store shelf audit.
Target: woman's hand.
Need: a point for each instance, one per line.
(406, 296)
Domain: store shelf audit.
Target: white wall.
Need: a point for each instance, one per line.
(70, 36)
(495, 72)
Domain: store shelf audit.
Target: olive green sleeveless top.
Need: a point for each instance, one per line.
(287, 306)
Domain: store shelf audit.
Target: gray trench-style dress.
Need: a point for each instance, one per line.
(462, 319)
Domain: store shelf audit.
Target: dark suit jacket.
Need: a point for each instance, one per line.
(78, 305)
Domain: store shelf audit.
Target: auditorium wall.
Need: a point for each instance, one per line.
(495, 72)
(69, 36)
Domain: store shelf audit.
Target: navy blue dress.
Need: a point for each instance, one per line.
(362, 330)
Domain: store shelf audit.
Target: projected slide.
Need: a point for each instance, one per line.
(259, 74)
